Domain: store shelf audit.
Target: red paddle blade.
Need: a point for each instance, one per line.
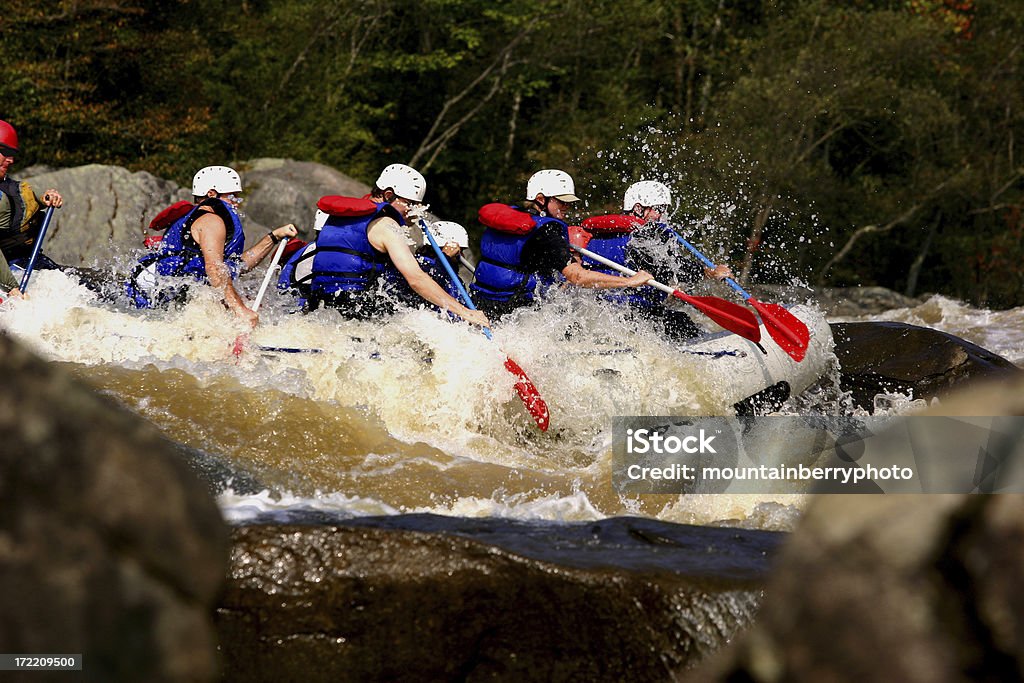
(239, 345)
(729, 315)
(785, 328)
(535, 405)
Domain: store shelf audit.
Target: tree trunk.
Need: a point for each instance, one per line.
(915, 267)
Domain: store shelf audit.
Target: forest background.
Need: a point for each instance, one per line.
(852, 142)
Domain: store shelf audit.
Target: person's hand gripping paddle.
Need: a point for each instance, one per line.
(788, 331)
(728, 315)
(35, 250)
(243, 339)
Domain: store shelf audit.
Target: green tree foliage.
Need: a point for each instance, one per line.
(102, 81)
(868, 141)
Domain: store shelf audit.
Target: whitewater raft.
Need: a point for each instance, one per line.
(752, 378)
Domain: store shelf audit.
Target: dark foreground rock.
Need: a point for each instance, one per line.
(912, 588)
(625, 599)
(898, 588)
(109, 546)
(886, 357)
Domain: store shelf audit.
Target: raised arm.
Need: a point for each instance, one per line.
(384, 238)
(259, 251)
(210, 234)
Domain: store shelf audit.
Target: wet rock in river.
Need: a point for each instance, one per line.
(887, 357)
(478, 599)
(109, 546)
(913, 588)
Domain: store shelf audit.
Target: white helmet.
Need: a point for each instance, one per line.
(449, 231)
(551, 183)
(406, 181)
(222, 179)
(319, 218)
(646, 193)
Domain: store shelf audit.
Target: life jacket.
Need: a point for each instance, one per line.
(181, 256)
(174, 214)
(499, 275)
(297, 272)
(609, 236)
(343, 259)
(16, 241)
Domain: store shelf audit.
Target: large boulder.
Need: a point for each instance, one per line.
(899, 588)
(285, 191)
(109, 545)
(887, 357)
(619, 599)
(105, 208)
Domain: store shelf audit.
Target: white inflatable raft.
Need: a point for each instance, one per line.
(736, 372)
(741, 369)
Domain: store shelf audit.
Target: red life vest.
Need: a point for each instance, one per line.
(615, 222)
(505, 218)
(346, 207)
(579, 237)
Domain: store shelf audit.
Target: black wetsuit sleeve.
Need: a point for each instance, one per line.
(671, 264)
(546, 251)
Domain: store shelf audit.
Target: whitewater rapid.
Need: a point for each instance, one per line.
(418, 414)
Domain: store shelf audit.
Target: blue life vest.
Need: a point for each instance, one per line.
(398, 286)
(179, 255)
(296, 274)
(436, 270)
(298, 271)
(611, 245)
(344, 260)
(609, 237)
(499, 275)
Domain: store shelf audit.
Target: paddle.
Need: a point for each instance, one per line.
(528, 393)
(36, 249)
(788, 331)
(243, 339)
(287, 349)
(730, 316)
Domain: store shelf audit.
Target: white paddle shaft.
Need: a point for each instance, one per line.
(622, 269)
(270, 273)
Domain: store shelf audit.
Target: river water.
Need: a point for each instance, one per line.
(418, 414)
